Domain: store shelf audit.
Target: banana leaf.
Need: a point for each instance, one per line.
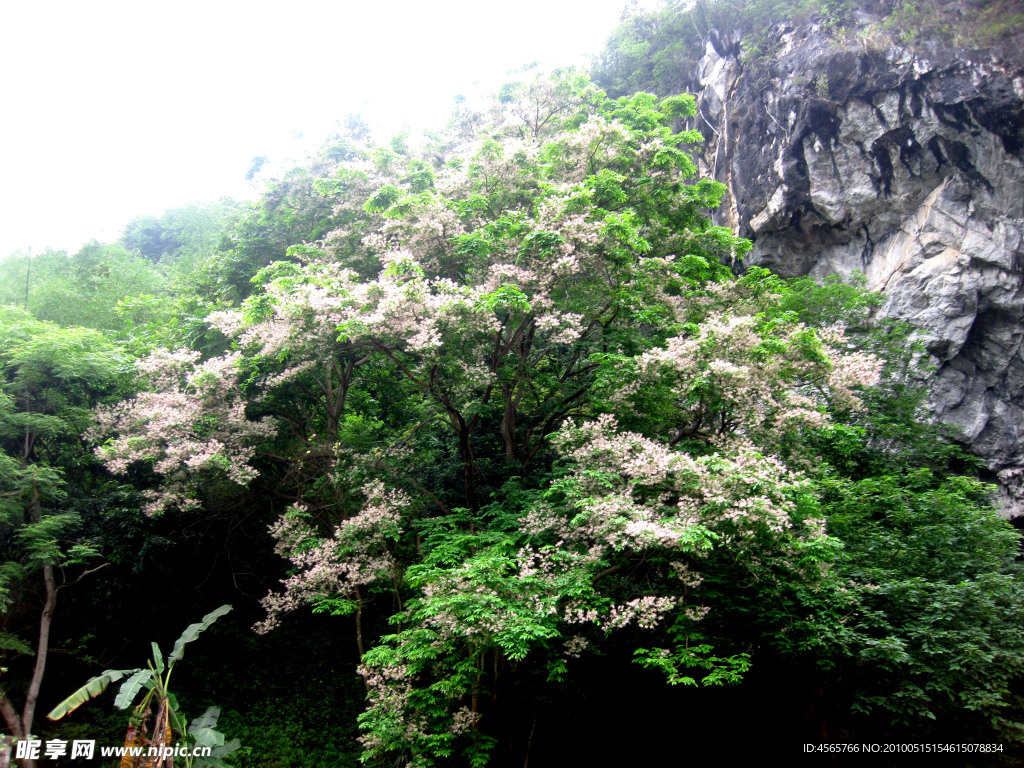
(158, 659)
(206, 720)
(192, 631)
(177, 720)
(227, 748)
(209, 762)
(131, 687)
(91, 689)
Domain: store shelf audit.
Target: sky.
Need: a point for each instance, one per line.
(111, 109)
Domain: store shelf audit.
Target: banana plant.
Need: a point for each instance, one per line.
(154, 681)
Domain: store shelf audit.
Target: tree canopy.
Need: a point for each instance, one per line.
(502, 402)
(520, 410)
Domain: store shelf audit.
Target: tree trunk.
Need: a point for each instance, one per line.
(43, 647)
(508, 424)
(14, 724)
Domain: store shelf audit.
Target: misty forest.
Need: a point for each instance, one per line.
(667, 411)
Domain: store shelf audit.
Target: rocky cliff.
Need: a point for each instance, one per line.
(904, 164)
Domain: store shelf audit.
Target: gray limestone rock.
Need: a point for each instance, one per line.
(906, 165)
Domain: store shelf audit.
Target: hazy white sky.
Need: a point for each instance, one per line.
(112, 109)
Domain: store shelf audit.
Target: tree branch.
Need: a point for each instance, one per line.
(82, 575)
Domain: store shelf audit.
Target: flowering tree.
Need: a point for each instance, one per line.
(191, 420)
(523, 407)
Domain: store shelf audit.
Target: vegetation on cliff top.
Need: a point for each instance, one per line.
(658, 50)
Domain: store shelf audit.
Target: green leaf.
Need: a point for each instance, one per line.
(158, 658)
(212, 761)
(178, 721)
(194, 630)
(207, 737)
(13, 643)
(226, 748)
(131, 687)
(90, 690)
(206, 720)
(383, 199)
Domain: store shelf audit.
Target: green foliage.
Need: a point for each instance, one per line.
(288, 740)
(383, 199)
(50, 377)
(930, 589)
(988, 24)
(821, 85)
(688, 653)
(933, 570)
(172, 320)
(180, 236)
(80, 290)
